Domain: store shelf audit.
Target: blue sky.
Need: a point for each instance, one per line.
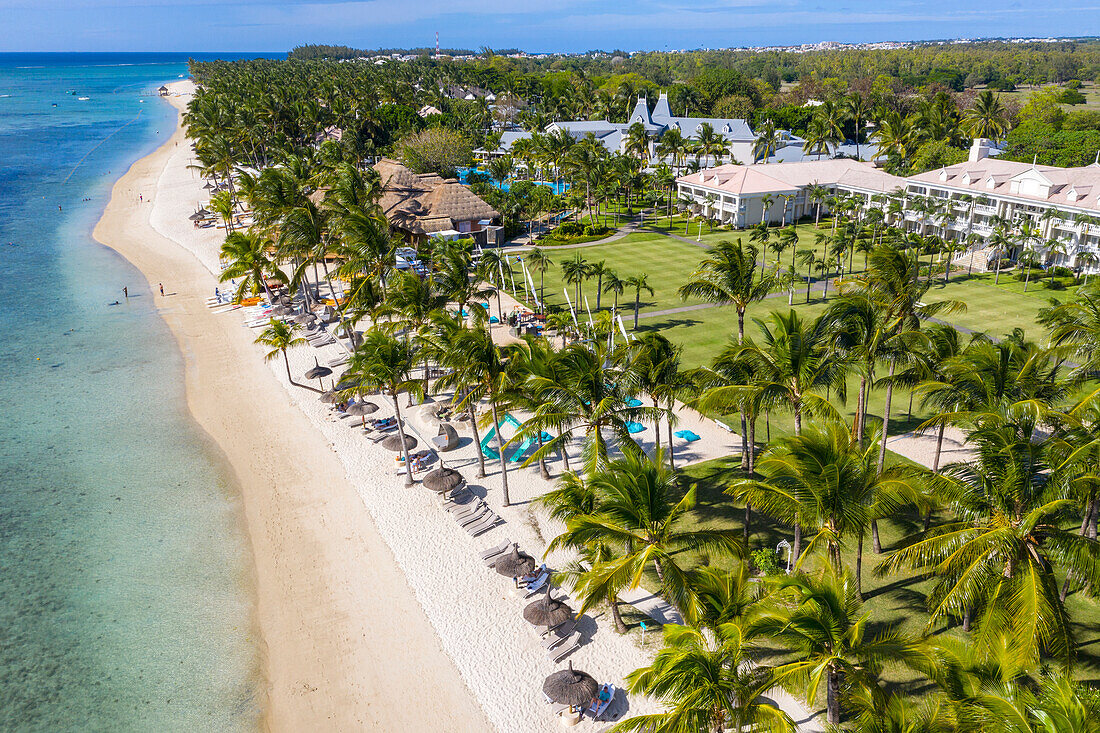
(535, 25)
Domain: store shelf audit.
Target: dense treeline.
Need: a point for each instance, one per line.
(914, 104)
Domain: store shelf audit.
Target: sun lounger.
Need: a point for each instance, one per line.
(492, 552)
(457, 499)
(337, 362)
(570, 645)
(475, 512)
(560, 635)
(535, 576)
(482, 526)
(534, 588)
(598, 708)
(476, 516)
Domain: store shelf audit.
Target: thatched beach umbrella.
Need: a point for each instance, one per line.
(442, 480)
(304, 318)
(516, 564)
(318, 372)
(393, 442)
(199, 215)
(362, 409)
(547, 611)
(571, 687)
(330, 397)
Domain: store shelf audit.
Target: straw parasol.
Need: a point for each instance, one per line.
(547, 611)
(571, 687)
(393, 442)
(362, 409)
(318, 372)
(442, 480)
(331, 397)
(199, 215)
(304, 318)
(516, 564)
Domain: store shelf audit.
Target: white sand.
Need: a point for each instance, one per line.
(472, 609)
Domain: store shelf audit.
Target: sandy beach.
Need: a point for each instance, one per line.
(374, 606)
(344, 639)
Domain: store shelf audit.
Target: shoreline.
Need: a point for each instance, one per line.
(343, 638)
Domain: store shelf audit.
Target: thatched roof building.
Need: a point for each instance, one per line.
(428, 205)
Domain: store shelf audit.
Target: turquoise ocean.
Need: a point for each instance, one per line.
(126, 585)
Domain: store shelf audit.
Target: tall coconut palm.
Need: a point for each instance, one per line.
(574, 272)
(247, 258)
(639, 515)
(707, 686)
(280, 336)
(539, 261)
(482, 368)
(986, 117)
(1002, 555)
(827, 482)
(384, 364)
(727, 276)
(638, 283)
(588, 392)
(821, 620)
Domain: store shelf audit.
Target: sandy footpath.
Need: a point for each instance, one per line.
(346, 644)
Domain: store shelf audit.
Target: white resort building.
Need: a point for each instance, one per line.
(744, 195)
(962, 202)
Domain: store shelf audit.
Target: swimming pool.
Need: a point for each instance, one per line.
(558, 187)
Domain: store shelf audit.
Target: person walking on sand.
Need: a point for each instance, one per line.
(125, 293)
(140, 199)
(161, 289)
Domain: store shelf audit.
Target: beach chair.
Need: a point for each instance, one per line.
(556, 638)
(598, 708)
(567, 647)
(457, 499)
(475, 515)
(536, 586)
(493, 552)
(463, 511)
(537, 574)
(483, 525)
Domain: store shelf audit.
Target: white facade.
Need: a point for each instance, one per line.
(745, 195)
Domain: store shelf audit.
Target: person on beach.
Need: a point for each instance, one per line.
(125, 293)
(161, 289)
(140, 199)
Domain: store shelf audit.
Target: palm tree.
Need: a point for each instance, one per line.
(856, 109)
(598, 270)
(639, 283)
(615, 285)
(824, 625)
(672, 145)
(574, 272)
(384, 364)
(539, 261)
(707, 685)
(574, 497)
(824, 480)
(587, 391)
(987, 117)
(280, 336)
(1002, 555)
(767, 141)
(817, 194)
(483, 368)
(246, 255)
(727, 276)
(638, 515)
(637, 143)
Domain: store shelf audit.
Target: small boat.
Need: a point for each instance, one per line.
(83, 99)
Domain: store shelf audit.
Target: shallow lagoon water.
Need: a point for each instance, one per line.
(126, 601)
